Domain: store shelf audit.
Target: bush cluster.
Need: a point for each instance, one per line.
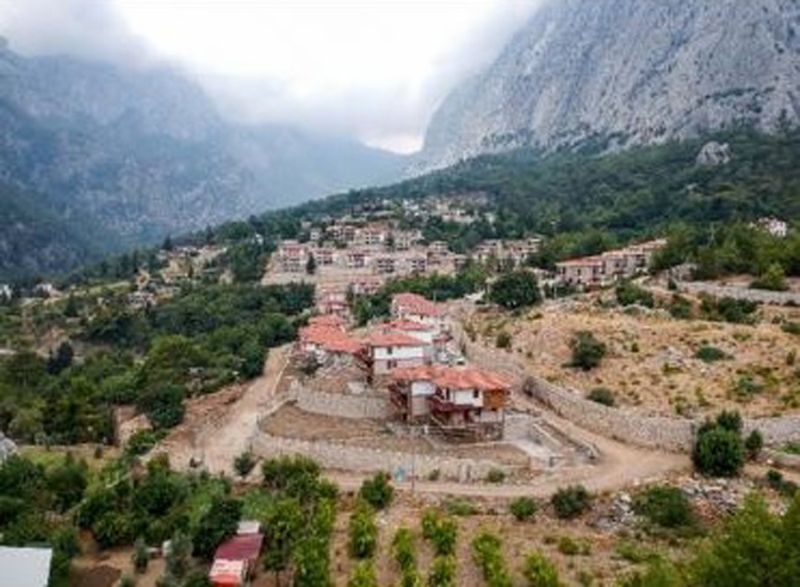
(571, 502)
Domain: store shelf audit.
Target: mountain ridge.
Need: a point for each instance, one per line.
(129, 156)
(625, 73)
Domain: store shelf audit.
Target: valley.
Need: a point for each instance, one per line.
(556, 346)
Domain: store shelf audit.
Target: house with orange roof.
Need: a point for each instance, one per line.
(456, 399)
(326, 341)
(414, 307)
(386, 351)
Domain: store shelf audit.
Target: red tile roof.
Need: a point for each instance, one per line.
(415, 304)
(392, 339)
(327, 320)
(331, 339)
(242, 547)
(408, 326)
(453, 377)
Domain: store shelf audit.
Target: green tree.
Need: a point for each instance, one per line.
(377, 491)
(754, 548)
(178, 555)
(218, 523)
(61, 360)
(283, 525)
(773, 279)
(244, 464)
(362, 531)
(587, 351)
(311, 265)
(515, 290)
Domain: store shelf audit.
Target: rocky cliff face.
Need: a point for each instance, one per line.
(126, 157)
(625, 73)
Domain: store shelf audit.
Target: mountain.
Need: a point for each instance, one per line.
(124, 157)
(619, 73)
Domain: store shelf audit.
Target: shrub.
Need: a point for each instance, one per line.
(680, 308)
(488, 557)
(665, 506)
(460, 507)
(710, 354)
(587, 351)
(140, 557)
(603, 396)
(503, 340)
(141, 442)
(244, 464)
(773, 279)
(441, 531)
(378, 491)
(753, 444)
(523, 508)
(628, 293)
(363, 575)
(570, 502)
(496, 476)
(791, 328)
(568, 547)
(728, 310)
(730, 420)
(718, 451)
(443, 572)
(783, 486)
(540, 572)
(362, 531)
(403, 549)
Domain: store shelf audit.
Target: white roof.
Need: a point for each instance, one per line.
(24, 567)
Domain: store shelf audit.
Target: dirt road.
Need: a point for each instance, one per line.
(619, 466)
(218, 427)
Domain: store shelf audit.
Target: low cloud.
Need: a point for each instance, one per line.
(319, 85)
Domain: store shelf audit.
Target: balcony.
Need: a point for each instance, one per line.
(441, 405)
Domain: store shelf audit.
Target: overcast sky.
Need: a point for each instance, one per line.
(371, 69)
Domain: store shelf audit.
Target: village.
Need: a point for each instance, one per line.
(427, 395)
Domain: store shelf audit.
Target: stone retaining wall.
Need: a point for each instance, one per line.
(740, 293)
(335, 455)
(340, 405)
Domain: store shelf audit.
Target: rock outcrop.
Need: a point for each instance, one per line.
(619, 73)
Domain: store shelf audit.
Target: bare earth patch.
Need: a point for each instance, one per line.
(651, 360)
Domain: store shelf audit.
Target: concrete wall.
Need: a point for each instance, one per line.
(340, 405)
(367, 460)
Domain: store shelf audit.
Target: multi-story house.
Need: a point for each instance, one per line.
(460, 400)
(386, 351)
(292, 256)
(413, 307)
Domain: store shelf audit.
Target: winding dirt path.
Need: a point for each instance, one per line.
(218, 427)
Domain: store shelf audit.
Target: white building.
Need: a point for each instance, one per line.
(24, 567)
(389, 351)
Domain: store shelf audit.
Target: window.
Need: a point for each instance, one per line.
(476, 394)
(391, 364)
